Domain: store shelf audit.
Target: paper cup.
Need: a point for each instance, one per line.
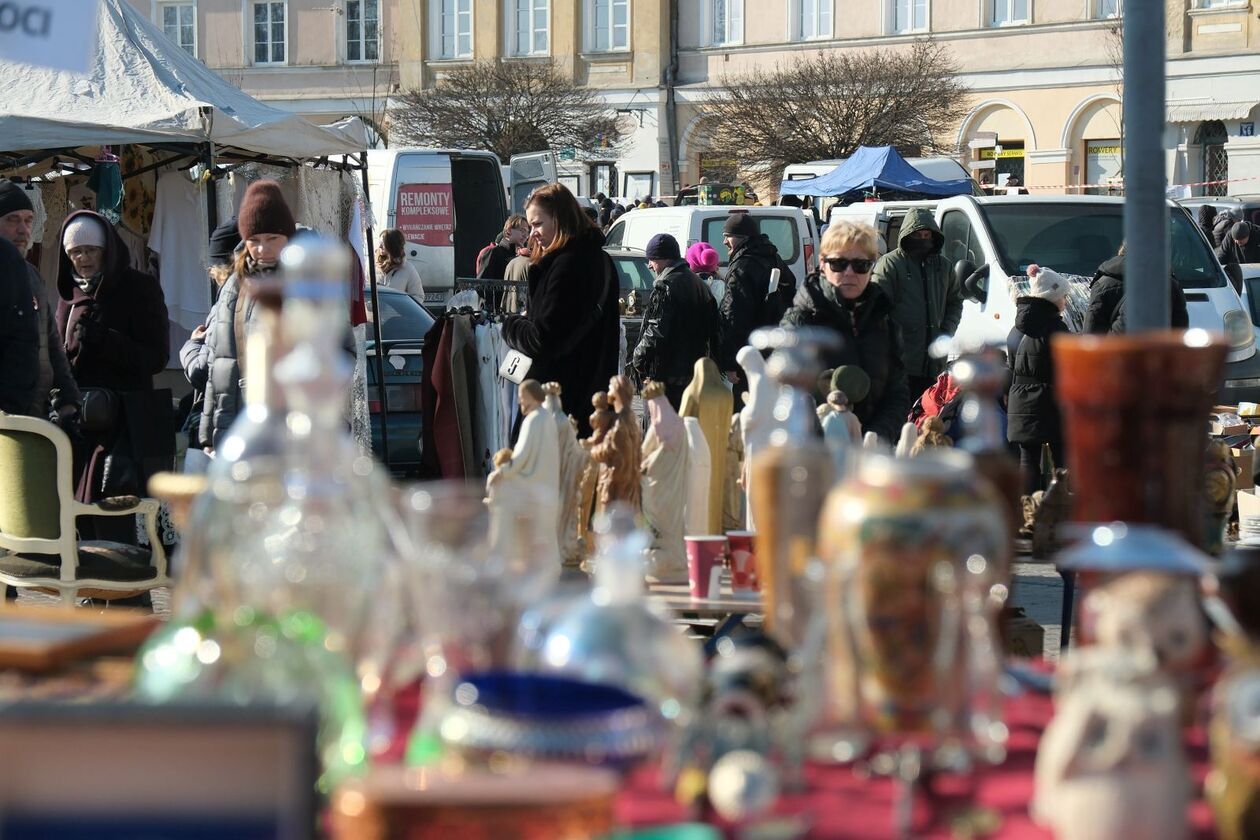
(705, 558)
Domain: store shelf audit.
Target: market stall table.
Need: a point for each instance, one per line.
(729, 612)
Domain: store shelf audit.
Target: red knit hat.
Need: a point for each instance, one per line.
(263, 210)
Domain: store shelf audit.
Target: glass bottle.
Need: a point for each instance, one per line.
(790, 480)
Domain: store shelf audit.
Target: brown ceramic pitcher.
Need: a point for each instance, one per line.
(1135, 411)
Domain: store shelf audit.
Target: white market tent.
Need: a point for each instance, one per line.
(142, 88)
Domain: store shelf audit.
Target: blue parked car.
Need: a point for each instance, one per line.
(404, 323)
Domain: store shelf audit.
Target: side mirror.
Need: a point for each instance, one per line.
(962, 270)
(1234, 272)
(972, 280)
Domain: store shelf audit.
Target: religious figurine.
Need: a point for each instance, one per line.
(665, 473)
(708, 398)
(1052, 507)
(733, 499)
(756, 418)
(1233, 785)
(530, 470)
(699, 466)
(601, 421)
(1110, 763)
(1220, 481)
(619, 451)
(842, 431)
(871, 442)
(932, 435)
(905, 443)
(573, 462)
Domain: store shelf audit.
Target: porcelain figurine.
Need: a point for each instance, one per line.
(756, 418)
(1053, 508)
(708, 398)
(699, 465)
(532, 467)
(905, 443)
(1110, 763)
(932, 435)
(665, 474)
(620, 451)
(871, 442)
(601, 421)
(733, 498)
(842, 431)
(1233, 785)
(573, 463)
(1220, 481)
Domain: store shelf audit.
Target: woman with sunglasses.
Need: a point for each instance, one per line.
(842, 296)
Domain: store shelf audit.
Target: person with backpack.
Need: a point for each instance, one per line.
(750, 301)
(926, 298)
(493, 259)
(843, 298)
(1031, 411)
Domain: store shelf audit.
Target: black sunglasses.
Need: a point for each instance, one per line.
(839, 264)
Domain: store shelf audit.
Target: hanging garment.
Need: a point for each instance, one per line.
(464, 387)
(106, 182)
(486, 439)
(430, 465)
(450, 452)
(36, 197)
(179, 238)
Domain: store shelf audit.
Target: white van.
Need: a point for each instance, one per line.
(989, 240)
(791, 229)
(448, 203)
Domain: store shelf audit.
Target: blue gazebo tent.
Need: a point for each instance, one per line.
(875, 168)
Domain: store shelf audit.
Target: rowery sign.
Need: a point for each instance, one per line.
(424, 213)
(50, 33)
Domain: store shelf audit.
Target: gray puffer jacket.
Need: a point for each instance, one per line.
(220, 360)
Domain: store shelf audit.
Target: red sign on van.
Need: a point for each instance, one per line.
(424, 213)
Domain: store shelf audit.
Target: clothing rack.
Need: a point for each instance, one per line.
(492, 292)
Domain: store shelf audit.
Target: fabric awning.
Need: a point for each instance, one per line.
(1204, 111)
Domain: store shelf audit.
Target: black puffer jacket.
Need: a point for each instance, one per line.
(1106, 300)
(570, 333)
(126, 340)
(1032, 416)
(19, 334)
(1229, 251)
(497, 259)
(679, 326)
(871, 340)
(743, 308)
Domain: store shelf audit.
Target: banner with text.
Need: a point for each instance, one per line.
(424, 214)
(50, 33)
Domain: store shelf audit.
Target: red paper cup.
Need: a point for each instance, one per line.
(744, 580)
(705, 556)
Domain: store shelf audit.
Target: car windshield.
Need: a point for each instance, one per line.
(404, 318)
(1077, 238)
(633, 272)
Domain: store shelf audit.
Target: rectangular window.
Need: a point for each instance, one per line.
(1104, 9)
(530, 21)
(815, 19)
(610, 23)
(454, 28)
(363, 30)
(269, 32)
(638, 184)
(1007, 12)
(911, 15)
(727, 17)
(179, 23)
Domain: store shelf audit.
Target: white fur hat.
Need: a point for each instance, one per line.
(1048, 284)
(83, 230)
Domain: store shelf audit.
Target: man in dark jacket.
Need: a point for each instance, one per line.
(679, 323)
(1241, 246)
(506, 246)
(1032, 413)
(54, 394)
(927, 302)
(744, 307)
(1106, 300)
(19, 334)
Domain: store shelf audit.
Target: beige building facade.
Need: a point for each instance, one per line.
(323, 59)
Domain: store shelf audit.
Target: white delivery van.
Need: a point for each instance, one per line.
(990, 240)
(791, 229)
(448, 203)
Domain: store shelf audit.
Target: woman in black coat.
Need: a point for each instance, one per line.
(113, 325)
(1032, 416)
(843, 297)
(572, 328)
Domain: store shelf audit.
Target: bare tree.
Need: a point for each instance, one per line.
(506, 107)
(826, 106)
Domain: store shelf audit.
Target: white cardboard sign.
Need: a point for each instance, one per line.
(50, 33)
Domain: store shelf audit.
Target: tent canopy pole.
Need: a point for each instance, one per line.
(370, 246)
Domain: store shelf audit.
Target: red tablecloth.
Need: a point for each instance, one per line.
(838, 804)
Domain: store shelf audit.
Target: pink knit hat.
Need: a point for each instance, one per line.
(702, 258)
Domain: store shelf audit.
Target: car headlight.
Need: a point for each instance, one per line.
(1238, 329)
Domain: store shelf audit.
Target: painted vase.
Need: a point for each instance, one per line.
(915, 576)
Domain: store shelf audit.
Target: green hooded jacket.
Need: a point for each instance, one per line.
(927, 302)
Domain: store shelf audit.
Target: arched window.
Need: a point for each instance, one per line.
(1212, 137)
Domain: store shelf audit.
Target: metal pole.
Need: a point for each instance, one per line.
(370, 247)
(1146, 278)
